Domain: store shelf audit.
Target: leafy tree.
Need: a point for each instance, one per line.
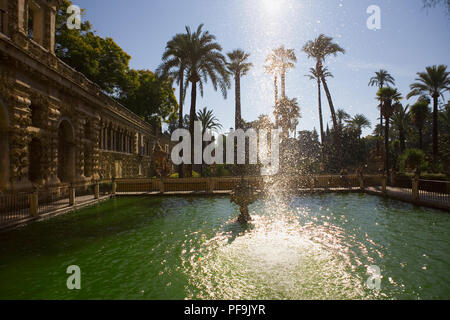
(106, 64)
(238, 67)
(99, 59)
(149, 96)
(433, 83)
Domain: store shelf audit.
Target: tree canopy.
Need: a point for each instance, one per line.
(105, 63)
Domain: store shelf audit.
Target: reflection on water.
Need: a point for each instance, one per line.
(305, 247)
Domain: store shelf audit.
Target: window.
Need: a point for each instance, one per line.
(30, 23)
(35, 23)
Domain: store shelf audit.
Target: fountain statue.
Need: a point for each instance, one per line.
(243, 195)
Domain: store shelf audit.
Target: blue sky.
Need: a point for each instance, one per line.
(410, 39)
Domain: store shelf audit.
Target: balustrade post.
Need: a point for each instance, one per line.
(313, 184)
(114, 186)
(415, 187)
(212, 184)
(71, 195)
(34, 203)
(161, 185)
(361, 182)
(384, 184)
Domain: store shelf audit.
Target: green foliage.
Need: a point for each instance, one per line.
(208, 120)
(419, 113)
(106, 64)
(413, 159)
(99, 59)
(176, 175)
(150, 97)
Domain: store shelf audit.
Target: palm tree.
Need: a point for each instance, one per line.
(433, 82)
(238, 67)
(320, 49)
(314, 74)
(359, 122)
(209, 122)
(286, 59)
(174, 65)
(380, 79)
(401, 119)
(272, 67)
(419, 114)
(287, 112)
(342, 116)
(205, 61)
(389, 99)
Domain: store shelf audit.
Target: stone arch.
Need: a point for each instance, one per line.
(35, 154)
(66, 151)
(4, 146)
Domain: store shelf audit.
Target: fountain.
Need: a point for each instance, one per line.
(244, 194)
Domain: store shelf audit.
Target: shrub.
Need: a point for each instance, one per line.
(413, 159)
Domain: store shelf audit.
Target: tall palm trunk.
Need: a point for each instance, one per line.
(191, 123)
(435, 129)
(386, 146)
(320, 111)
(330, 102)
(327, 92)
(180, 115)
(238, 116)
(180, 119)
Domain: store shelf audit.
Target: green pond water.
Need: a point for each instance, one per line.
(297, 247)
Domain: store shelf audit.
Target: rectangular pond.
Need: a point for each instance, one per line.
(333, 246)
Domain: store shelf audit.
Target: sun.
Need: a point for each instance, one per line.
(273, 6)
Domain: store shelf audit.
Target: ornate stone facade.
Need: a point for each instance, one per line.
(56, 126)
